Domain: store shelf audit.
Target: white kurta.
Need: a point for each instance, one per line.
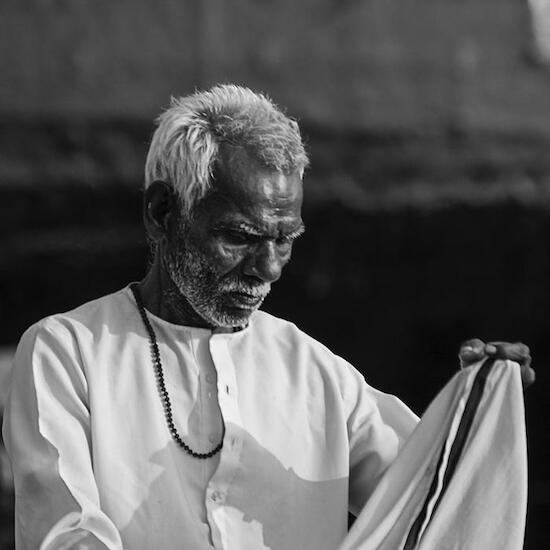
(93, 461)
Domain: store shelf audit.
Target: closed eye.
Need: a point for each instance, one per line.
(287, 239)
(291, 237)
(242, 237)
(238, 238)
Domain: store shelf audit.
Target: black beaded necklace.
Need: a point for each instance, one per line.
(163, 392)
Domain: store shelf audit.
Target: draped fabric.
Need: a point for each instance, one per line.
(460, 482)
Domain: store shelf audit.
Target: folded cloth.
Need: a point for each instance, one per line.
(460, 481)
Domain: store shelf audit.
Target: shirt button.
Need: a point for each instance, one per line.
(210, 378)
(217, 496)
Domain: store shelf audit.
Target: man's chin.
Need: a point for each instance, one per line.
(230, 310)
(233, 316)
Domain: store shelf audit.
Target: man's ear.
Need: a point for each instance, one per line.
(158, 202)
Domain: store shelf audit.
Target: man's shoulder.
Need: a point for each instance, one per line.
(95, 313)
(263, 321)
(286, 344)
(286, 332)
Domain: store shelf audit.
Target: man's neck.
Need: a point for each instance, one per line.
(162, 298)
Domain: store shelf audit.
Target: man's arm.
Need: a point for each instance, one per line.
(47, 435)
(378, 426)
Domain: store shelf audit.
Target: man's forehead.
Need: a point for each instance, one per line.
(234, 162)
(237, 173)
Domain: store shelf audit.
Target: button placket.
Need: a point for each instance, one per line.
(229, 464)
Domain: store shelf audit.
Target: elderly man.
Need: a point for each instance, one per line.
(174, 414)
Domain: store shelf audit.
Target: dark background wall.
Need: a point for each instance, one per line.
(427, 202)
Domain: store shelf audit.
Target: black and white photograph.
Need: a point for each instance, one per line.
(275, 275)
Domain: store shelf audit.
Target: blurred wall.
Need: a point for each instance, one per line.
(350, 64)
(427, 202)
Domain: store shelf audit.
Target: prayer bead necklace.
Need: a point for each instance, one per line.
(163, 392)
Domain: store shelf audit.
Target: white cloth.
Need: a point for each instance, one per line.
(483, 505)
(95, 466)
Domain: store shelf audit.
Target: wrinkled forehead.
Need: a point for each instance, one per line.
(239, 176)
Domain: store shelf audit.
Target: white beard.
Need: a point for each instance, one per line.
(207, 291)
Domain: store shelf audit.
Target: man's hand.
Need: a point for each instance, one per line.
(474, 350)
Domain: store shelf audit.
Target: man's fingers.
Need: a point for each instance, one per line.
(527, 376)
(475, 349)
(518, 352)
(471, 351)
(475, 346)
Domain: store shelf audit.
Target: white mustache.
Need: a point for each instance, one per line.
(258, 291)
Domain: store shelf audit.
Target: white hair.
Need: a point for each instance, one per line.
(186, 142)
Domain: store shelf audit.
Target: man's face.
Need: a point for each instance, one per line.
(240, 238)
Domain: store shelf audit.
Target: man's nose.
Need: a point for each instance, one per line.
(264, 263)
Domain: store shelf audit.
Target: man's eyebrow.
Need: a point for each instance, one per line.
(300, 230)
(240, 226)
(257, 231)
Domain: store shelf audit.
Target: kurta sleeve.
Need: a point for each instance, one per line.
(47, 435)
(378, 425)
